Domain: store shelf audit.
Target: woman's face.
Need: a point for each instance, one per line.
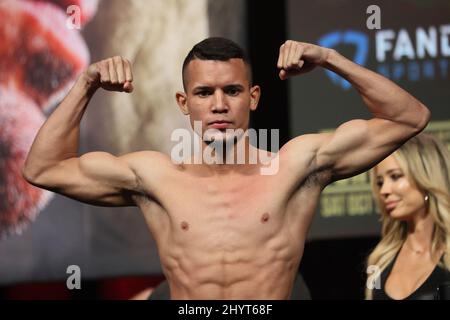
(399, 196)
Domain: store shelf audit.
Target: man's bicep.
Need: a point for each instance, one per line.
(358, 145)
(97, 178)
(110, 170)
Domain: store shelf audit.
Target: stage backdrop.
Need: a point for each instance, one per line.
(412, 48)
(44, 47)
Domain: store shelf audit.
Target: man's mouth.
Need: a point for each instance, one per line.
(220, 124)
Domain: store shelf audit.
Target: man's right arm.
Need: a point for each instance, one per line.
(98, 177)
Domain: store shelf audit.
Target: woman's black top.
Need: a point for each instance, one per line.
(426, 291)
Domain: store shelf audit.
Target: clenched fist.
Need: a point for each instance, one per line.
(112, 74)
(299, 57)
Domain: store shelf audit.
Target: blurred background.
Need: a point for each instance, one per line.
(46, 44)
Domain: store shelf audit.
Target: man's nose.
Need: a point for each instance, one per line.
(219, 103)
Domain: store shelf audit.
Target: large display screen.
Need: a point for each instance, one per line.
(407, 41)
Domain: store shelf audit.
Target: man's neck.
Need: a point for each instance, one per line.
(231, 156)
(240, 157)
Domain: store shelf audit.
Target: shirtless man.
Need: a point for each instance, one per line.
(224, 231)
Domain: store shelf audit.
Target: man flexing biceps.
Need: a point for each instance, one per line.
(224, 230)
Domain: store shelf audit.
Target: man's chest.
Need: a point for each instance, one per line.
(229, 204)
(231, 207)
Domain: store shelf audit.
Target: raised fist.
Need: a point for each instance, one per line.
(112, 74)
(298, 57)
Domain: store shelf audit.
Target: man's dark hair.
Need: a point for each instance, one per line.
(216, 48)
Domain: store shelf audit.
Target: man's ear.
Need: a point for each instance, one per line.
(182, 102)
(255, 93)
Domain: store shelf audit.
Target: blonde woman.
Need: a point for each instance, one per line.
(412, 187)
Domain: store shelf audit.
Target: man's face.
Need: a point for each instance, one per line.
(218, 94)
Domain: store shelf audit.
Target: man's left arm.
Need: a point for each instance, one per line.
(357, 145)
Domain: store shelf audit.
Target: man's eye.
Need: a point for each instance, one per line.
(203, 93)
(232, 92)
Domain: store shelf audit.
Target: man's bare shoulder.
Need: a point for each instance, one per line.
(145, 155)
(148, 159)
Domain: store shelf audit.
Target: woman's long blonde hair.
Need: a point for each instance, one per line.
(426, 163)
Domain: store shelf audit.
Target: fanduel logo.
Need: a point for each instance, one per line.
(349, 37)
(422, 54)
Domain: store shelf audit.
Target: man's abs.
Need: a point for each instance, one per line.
(232, 238)
(231, 262)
